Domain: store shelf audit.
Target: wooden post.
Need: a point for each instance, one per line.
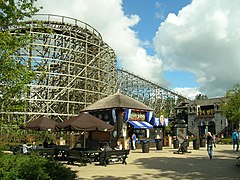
(119, 123)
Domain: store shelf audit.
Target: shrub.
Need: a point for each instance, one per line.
(4, 147)
(28, 167)
(225, 141)
(8, 146)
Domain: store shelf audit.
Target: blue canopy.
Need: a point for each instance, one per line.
(140, 124)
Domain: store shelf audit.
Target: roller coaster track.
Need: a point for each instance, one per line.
(74, 68)
(150, 93)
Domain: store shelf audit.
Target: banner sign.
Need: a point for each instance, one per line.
(137, 116)
(114, 116)
(159, 121)
(149, 116)
(127, 114)
(130, 114)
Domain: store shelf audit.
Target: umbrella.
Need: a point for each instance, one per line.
(42, 124)
(85, 122)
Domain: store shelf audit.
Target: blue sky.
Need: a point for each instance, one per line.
(152, 13)
(190, 46)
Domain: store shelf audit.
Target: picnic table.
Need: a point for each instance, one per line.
(55, 152)
(82, 155)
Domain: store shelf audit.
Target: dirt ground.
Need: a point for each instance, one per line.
(164, 164)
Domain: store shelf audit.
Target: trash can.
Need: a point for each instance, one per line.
(196, 144)
(175, 144)
(202, 142)
(145, 147)
(159, 144)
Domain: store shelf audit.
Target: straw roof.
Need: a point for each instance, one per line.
(117, 100)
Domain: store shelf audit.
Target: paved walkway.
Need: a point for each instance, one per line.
(164, 164)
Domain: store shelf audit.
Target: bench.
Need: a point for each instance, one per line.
(238, 161)
(47, 152)
(79, 156)
(106, 157)
(61, 152)
(93, 155)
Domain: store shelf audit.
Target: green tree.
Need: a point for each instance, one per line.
(14, 74)
(231, 108)
(201, 97)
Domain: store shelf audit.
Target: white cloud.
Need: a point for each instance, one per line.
(203, 38)
(160, 10)
(115, 27)
(190, 93)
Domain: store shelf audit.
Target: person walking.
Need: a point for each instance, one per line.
(235, 138)
(210, 144)
(133, 138)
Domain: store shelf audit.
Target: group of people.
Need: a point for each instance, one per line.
(106, 146)
(26, 149)
(212, 143)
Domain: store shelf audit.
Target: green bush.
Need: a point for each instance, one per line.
(4, 147)
(225, 141)
(8, 146)
(28, 167)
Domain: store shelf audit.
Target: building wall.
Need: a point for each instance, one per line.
(197, 116)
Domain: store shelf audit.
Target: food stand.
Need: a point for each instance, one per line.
(137, 125)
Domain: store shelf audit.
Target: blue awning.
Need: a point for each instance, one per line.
(140, 124)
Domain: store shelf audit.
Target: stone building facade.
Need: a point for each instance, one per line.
(203, 116)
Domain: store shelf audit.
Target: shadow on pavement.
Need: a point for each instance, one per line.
(183, 168)
(194, 168)
(166, 165)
